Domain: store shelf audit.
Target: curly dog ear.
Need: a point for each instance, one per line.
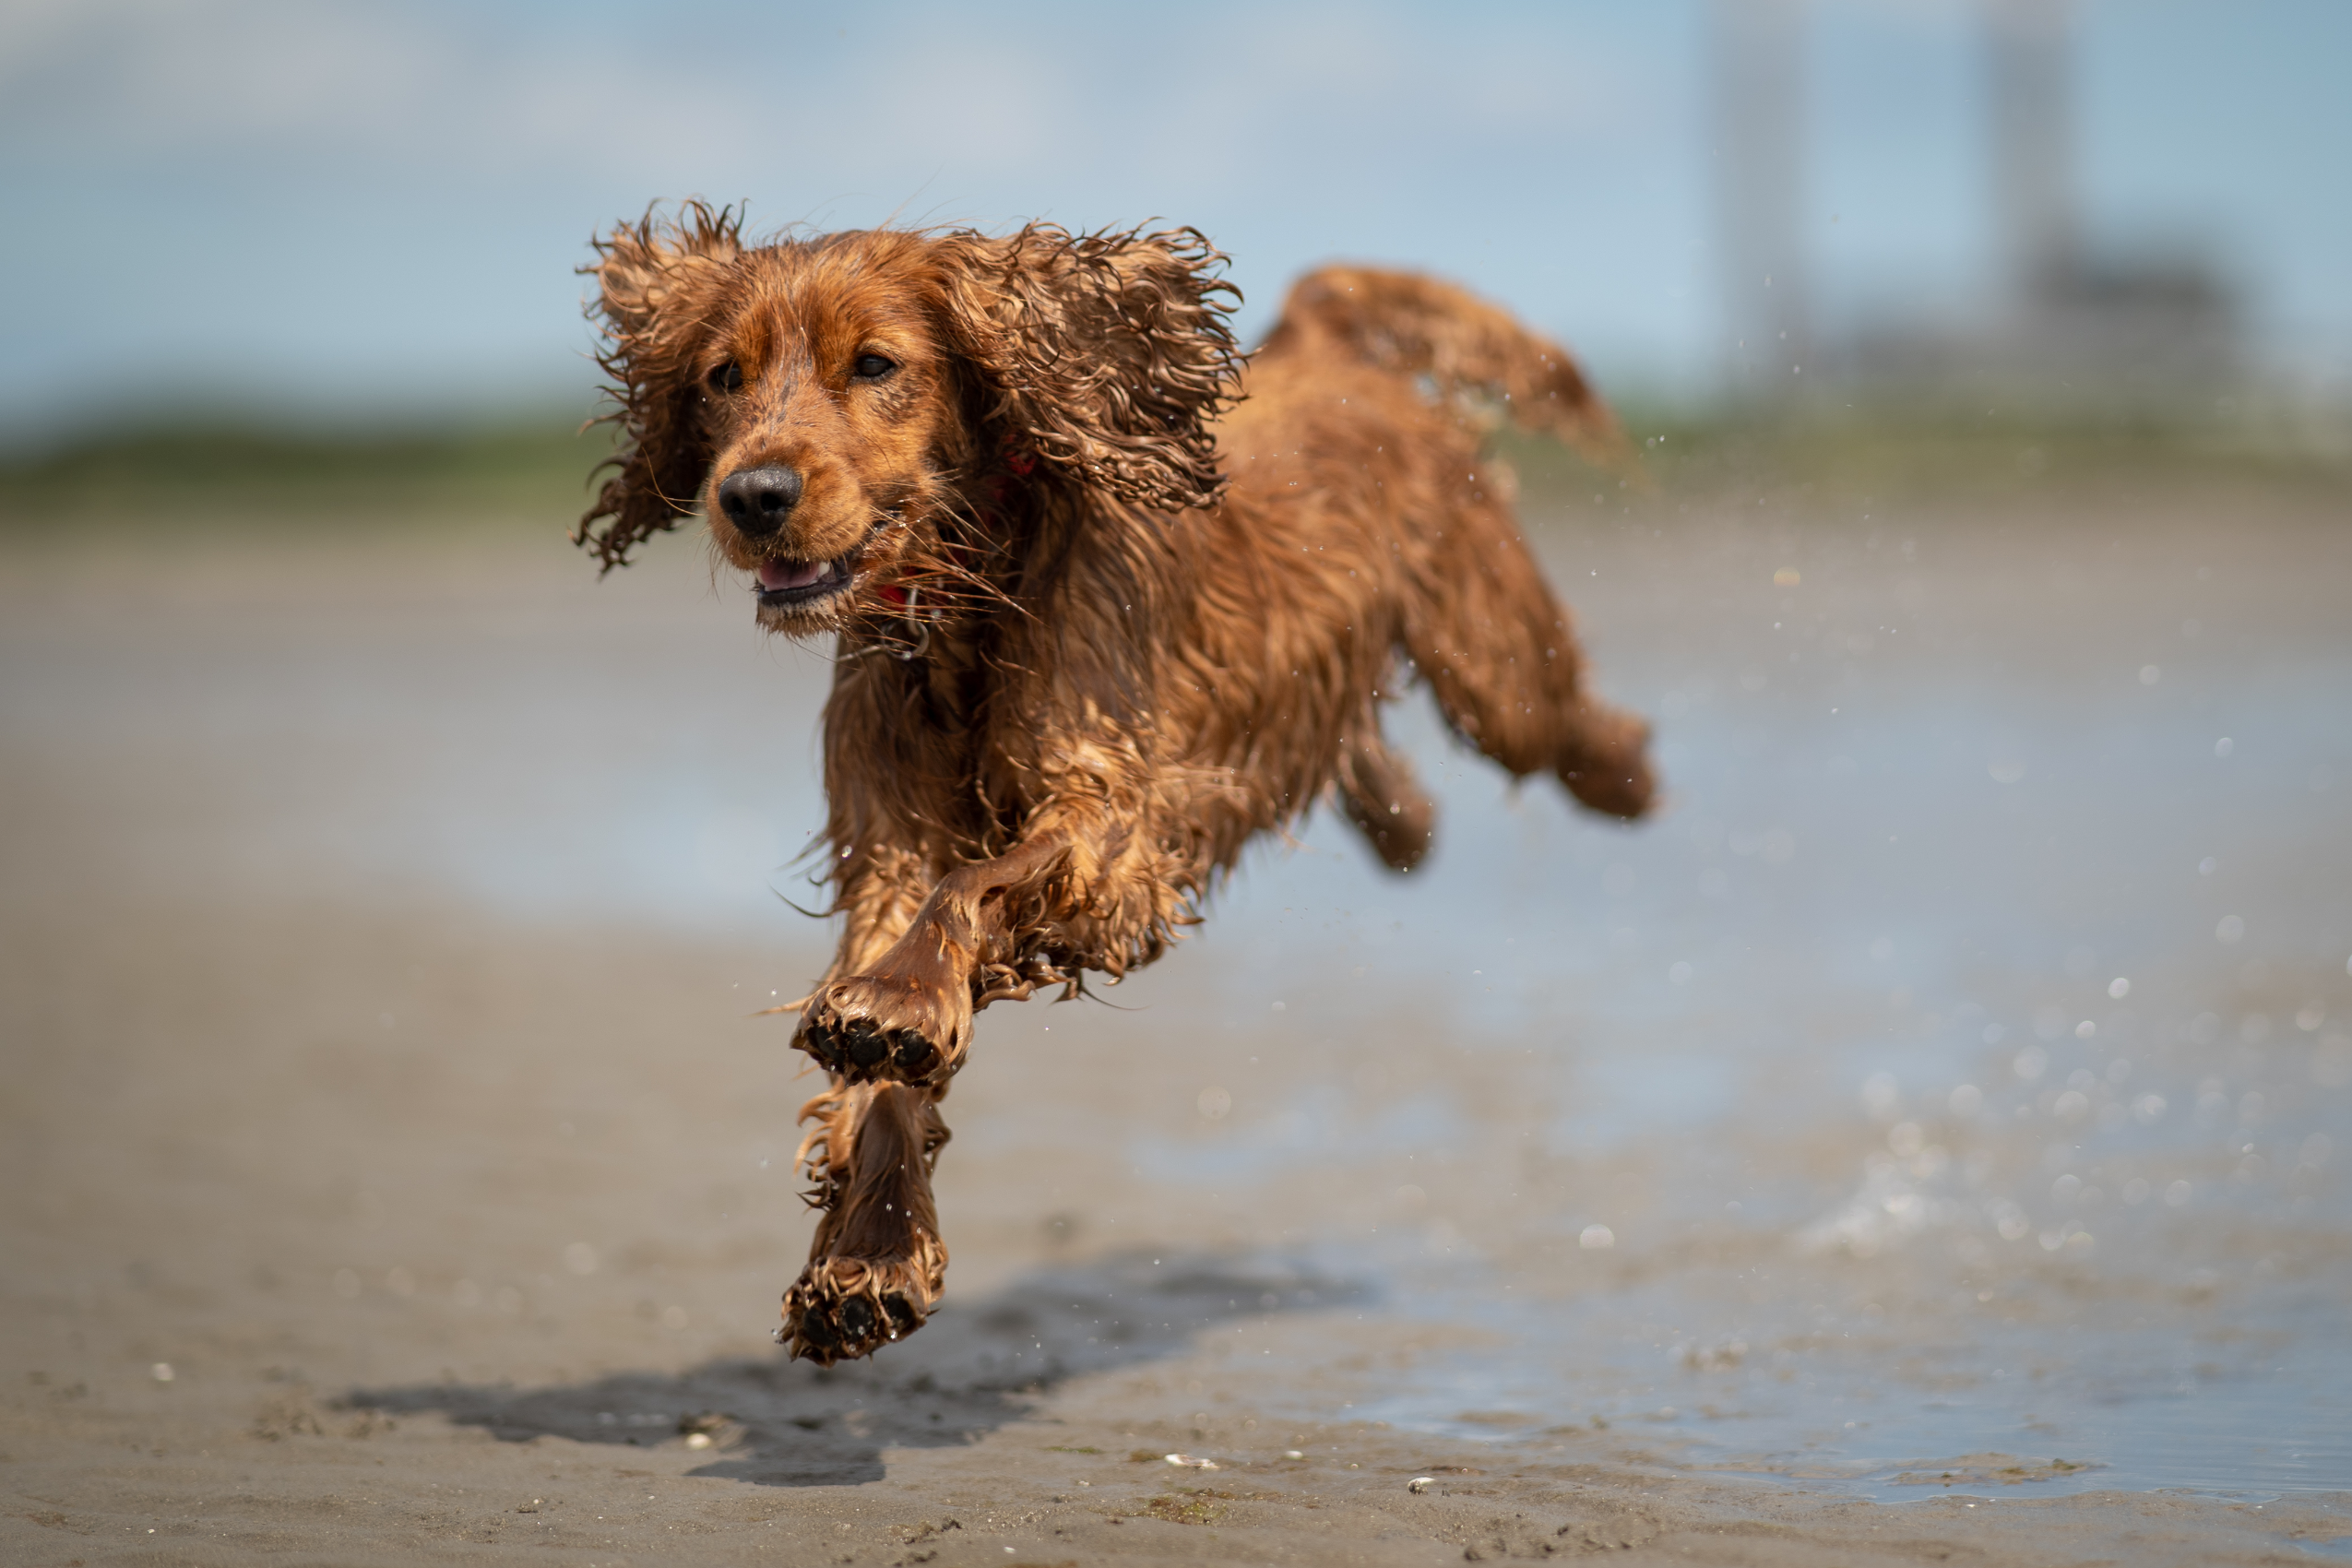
(656, 279)
(1106, 355)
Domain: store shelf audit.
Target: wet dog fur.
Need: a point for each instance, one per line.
(1110, 600)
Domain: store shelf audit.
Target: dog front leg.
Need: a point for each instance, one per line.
(908, 1017)
(877, 1265)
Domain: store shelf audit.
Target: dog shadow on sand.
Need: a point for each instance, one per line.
(972, 1369)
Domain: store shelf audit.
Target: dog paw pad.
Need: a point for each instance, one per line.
(913, 1055)
(822, 1043)
(824, 1324)
(863, 1043)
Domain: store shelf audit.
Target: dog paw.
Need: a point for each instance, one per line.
(869, 1030)
(1616, 789)
(1610, 771)
(842, 1309)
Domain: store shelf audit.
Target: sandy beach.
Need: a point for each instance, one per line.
(1927, 1142)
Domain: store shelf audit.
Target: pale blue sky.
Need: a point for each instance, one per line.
(343, 208)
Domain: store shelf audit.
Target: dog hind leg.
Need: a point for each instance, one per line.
(877, 1265)
(1383, 800)
(1500, 652)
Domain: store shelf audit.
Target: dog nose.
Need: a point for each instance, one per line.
(759, 500)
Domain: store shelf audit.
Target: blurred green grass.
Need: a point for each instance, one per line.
(1904, 455)
(535, 471)
(252, 475)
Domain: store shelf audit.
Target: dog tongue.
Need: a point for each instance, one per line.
(792, 574)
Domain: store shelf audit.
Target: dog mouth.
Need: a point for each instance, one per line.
(783, 583)
(797, 585)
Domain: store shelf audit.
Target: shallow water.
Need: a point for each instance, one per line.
(1960, 1065)
(1980, 1036)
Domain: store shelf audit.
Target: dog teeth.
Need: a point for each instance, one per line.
(794, 574)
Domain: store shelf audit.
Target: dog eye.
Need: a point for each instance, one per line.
(728, 378)
(873, 367)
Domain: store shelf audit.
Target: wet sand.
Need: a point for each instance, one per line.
(392, 1172)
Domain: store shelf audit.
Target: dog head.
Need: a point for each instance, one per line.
(832, 404)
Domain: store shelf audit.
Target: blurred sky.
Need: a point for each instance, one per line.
(337, 209)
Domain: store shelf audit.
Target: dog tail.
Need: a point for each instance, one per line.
(1413, 326)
